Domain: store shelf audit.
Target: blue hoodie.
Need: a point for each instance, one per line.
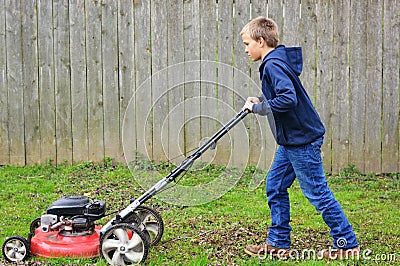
(295, 121)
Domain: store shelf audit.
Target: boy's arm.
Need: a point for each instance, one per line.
(285, 92)
(257, 105)
(261, 108)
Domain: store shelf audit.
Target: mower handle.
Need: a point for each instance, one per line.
(184, 166)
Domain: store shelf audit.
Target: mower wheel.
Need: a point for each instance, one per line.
(124, 244)
(149, 221)
(34, 225)
(15, 249)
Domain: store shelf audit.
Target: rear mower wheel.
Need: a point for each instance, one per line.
(34, 225)
(149, 221)
(124, 244)
(15, 249)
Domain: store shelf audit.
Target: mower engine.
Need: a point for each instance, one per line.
(67, 229)
(73, 216)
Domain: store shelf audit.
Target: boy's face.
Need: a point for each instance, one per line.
(254, 48)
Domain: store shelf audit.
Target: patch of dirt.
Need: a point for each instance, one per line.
(225, 242)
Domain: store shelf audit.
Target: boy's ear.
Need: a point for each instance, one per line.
(261, 41)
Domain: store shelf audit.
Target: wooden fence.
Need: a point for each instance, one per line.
(70, 67)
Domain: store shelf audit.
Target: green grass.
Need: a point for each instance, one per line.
(214, 233)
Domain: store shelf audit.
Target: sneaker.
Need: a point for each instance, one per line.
(265, 249)
(341, 254)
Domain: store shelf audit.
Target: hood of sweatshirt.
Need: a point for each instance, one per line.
(292, 56)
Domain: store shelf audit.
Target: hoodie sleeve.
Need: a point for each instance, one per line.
(285, 94)
(263, 107)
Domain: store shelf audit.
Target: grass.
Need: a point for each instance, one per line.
(214, 233)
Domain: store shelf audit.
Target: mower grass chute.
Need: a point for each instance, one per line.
(68, 229)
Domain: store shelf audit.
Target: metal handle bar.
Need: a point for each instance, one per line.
(177, 171)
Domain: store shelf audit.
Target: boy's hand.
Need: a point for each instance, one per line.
(248, 106)
(253, 100)
(250, 102)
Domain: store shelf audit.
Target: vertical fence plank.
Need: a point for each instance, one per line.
(374, 87)
(30, 82)
(79, 112)
(276, 11)
(4, 145)
(62, 81)
(94, 80)
(226, 35)
(262, 143)
(340, 132)
(126, 56)
(241, 85)
(208, 76)
(110, 79)
(47, 116)
(175, 92)
(143, 72)
(291, 24)
(324, 93)
(358, 79)
(159, 101)
(258, 8)
(191, 30)
(308, 42)
(391, 85)
(15, 82)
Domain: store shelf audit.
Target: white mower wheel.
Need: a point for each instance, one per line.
(15, 249)
(124, 244)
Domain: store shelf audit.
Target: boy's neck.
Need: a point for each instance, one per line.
(267, 51)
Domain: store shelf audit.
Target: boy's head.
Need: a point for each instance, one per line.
(260, 36)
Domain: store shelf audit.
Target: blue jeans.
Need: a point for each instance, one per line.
(305, 163)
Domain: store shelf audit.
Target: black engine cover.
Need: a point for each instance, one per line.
(78, 206)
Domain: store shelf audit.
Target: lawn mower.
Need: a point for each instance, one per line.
(68, 229)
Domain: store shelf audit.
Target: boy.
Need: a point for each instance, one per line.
(299, 134)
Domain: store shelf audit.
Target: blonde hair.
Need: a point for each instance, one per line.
(262, 27)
